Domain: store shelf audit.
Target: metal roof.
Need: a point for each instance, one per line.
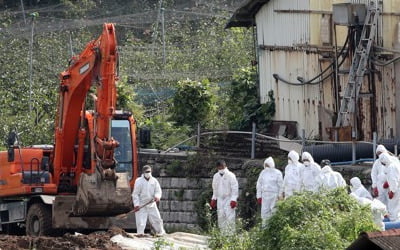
(244, 15)
(389, 239)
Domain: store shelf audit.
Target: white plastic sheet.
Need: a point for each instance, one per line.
(178, 240)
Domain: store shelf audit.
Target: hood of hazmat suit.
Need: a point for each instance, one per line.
(380, 149)
(269, 163)
(294, 156)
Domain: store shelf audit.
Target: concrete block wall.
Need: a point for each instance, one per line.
(180, 194)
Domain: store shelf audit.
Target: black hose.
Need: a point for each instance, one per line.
(277, 77)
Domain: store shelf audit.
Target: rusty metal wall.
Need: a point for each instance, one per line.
(283, 29)
(313, 106)
(386, 101)
(294, 103)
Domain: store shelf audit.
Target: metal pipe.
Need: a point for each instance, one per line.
(198, 135)
(253, 140)
(23, 10)
(163, 34)
(31, 63)
(374, 135)
(336, 79)
(353, 152)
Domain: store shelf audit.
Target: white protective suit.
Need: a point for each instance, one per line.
(269, 188)
(291, 181)
(225, 189)
(145, 191)
(358, 189)
(329, 179)
(309, 173)
(378, 176)
(378, 209)
(393, 178)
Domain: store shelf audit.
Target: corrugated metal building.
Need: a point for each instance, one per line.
(297, 40)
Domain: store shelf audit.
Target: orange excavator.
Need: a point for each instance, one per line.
(85, 179)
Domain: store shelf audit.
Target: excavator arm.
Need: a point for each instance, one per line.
(98, 188)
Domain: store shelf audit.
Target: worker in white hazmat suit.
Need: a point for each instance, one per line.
(378, 177)
(329, 179)
(393, 183)
(291, 181)
(146, 193)
(269, 188)
(378, 209)
(225, 193)
(358, 189)
(309, 173)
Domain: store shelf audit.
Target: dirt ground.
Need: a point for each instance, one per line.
(92, 241)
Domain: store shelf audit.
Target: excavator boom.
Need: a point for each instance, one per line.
(100, 190)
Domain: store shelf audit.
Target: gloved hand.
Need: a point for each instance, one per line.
(259, 201)
(233, 204)
(213, 204)
(385, 185)
(136, 208)
(391, 194)
(375, 192)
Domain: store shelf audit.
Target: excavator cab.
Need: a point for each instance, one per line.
(121, 131)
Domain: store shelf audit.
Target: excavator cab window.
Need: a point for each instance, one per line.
(120, 130)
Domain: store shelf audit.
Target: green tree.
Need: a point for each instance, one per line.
(244, 105)
(165, 133)
(197, 46)
(192, 103)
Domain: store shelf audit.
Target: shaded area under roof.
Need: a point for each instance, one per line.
(244, 15)
(389, 239)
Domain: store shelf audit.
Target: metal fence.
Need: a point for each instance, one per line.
(339, 153)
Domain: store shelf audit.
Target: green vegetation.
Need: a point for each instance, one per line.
(328, 220)
(153, 65)
(164, 132)
(192, 103)
(162, 243)
(244, 103)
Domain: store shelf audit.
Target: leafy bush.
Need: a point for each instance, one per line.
(248, 207)
(327, 220)
(239, 240)
(193, 102)
(244, 103)
(206, 218)
(164, 133)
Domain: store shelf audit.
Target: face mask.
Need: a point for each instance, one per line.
(147, 175)
(221, 171)
(290, 161)
(306, 163)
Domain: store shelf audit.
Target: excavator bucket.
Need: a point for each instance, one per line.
(99, 196)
